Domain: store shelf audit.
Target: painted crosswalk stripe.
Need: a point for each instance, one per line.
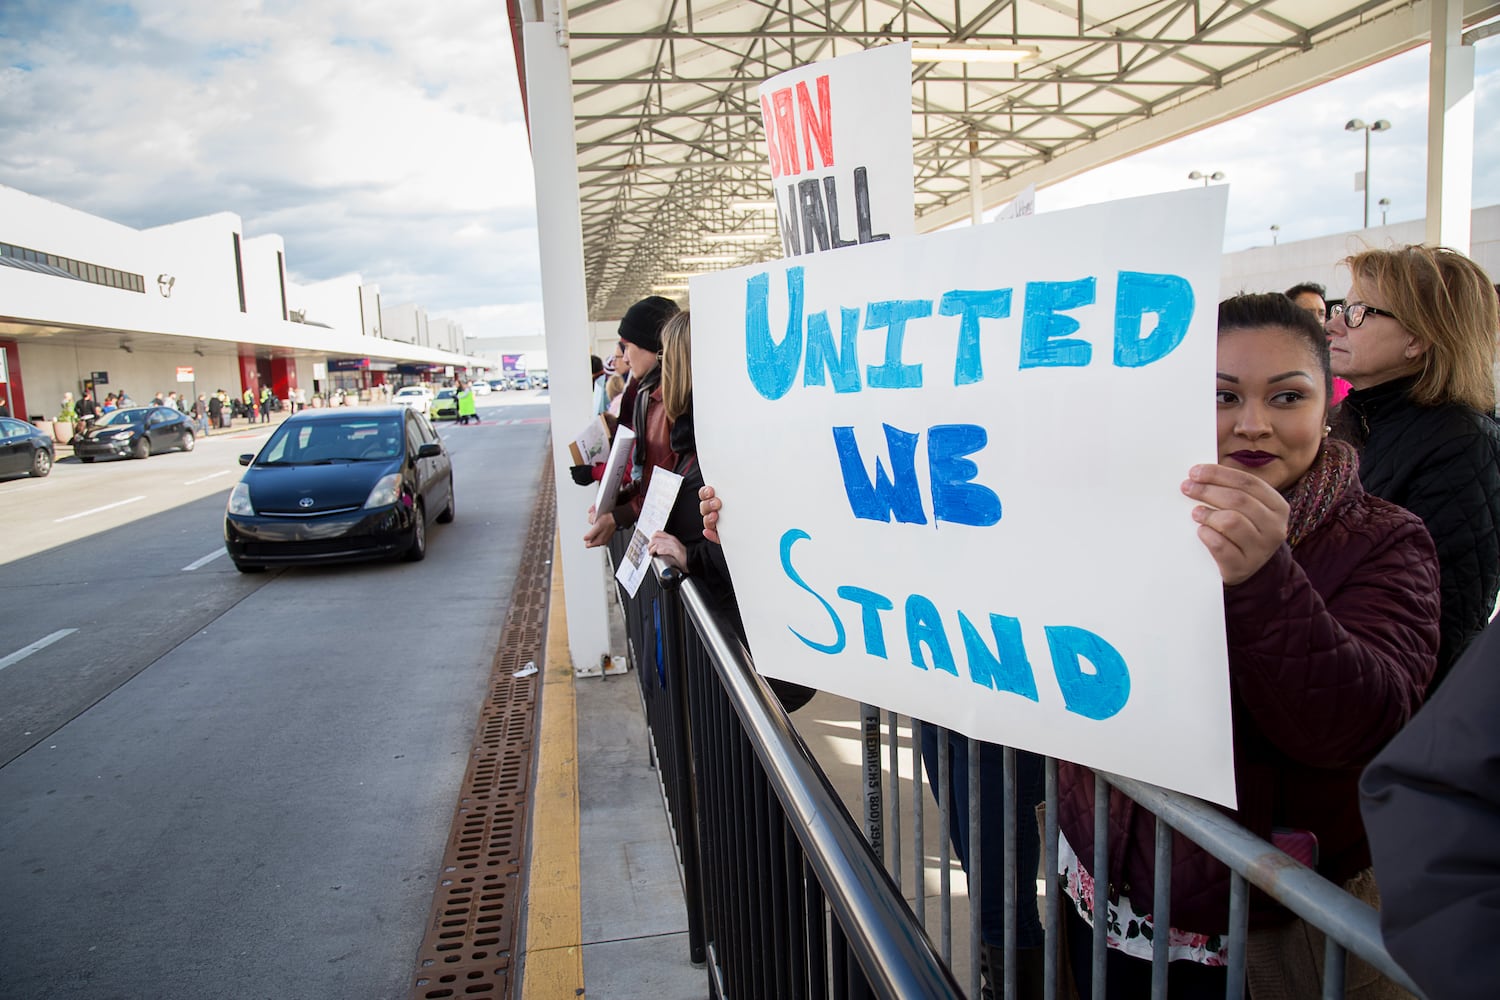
(40, 644)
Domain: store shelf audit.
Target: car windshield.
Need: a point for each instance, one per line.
(409, 392)
(123, 418)
(446, 394)
(324, 442)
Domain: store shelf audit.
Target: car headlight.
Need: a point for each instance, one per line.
(239, 501)
(386, 492)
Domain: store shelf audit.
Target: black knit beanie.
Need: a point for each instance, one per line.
(643, 322)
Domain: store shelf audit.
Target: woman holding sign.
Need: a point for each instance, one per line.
(1331, 613)
(640, 341)
(1416, 339)
(682, 543)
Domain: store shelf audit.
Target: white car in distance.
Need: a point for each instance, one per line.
(414, 397)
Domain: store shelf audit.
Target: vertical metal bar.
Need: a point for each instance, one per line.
(894, 810)
(1333, 969)
(1101, 884)
(681, 725)
(796, 906)
(1239, 932)
(817, 936)
(839, 954)
(1011, 819)
(776, 915)
(919, 828)
(1053, 916)
(945, 836)
(760, 942)
(1161, 911)
(869, 718)
(976, 862)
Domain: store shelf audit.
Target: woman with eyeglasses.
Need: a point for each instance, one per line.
(1416, 340)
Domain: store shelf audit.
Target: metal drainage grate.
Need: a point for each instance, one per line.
(471, 937)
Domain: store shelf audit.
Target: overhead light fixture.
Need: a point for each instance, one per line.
(752, 206)
(710, 258)
(975, 53)
(164, 283)
(680, 275)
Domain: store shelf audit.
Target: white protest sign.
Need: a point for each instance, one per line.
(838, 135)
(950, 468)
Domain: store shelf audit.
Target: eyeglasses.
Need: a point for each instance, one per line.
(1354, 313)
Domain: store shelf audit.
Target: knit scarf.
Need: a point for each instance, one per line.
(1314, 495)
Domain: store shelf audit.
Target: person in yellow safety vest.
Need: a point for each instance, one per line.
(466, 409)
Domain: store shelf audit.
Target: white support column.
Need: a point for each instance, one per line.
(1450, 129)
(549, 90)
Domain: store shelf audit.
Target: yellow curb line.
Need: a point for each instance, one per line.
(553, 960)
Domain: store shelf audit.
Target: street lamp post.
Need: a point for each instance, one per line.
(1358, 125)
(1385, 204)
(1275, 233)
(1205, 177)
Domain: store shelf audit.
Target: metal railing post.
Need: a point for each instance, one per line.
(673, 645)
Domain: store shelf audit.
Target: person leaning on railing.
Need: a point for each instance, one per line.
(1416, 340)
(682, 543)
(1331, 612)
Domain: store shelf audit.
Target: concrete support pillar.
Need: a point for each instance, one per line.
(549, 99)
(1450, 129)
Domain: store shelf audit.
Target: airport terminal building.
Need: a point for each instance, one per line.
(192, 306)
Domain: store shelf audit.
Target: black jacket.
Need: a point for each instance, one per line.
(1431, 803)
(1442, 463)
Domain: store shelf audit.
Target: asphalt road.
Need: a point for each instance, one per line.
(221, 785)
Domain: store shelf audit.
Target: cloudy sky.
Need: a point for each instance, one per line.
(386, 139)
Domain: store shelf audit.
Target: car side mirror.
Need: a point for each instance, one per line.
(431, 449)
(246, 459)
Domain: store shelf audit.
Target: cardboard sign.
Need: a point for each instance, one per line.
(838, 136)
(950, 468)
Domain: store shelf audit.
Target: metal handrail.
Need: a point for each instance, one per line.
(1352, 923)
(881, 930)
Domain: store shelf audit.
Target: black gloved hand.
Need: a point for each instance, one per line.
(583, 475)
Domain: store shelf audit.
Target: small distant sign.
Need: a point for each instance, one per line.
(100, 378)
(185, 374)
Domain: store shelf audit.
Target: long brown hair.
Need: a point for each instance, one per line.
(677, 365)
(1446, 300)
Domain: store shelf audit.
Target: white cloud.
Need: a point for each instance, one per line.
(384, 138)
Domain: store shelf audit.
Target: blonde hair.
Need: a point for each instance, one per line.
(613, 386)
(677, 366)
(1445, 299)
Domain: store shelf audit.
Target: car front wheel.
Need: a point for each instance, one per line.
(446, 517)
(41, 463)
(189, 441)
(418, 550)
(143, 447)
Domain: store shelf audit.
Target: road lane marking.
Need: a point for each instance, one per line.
(216, 553)
(96, 510)
(204, 479)
(40, 644)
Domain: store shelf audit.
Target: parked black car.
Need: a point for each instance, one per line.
(23, 449)
(138, 431)
(339, 485)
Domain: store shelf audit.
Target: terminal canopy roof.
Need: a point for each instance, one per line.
(668, 123)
